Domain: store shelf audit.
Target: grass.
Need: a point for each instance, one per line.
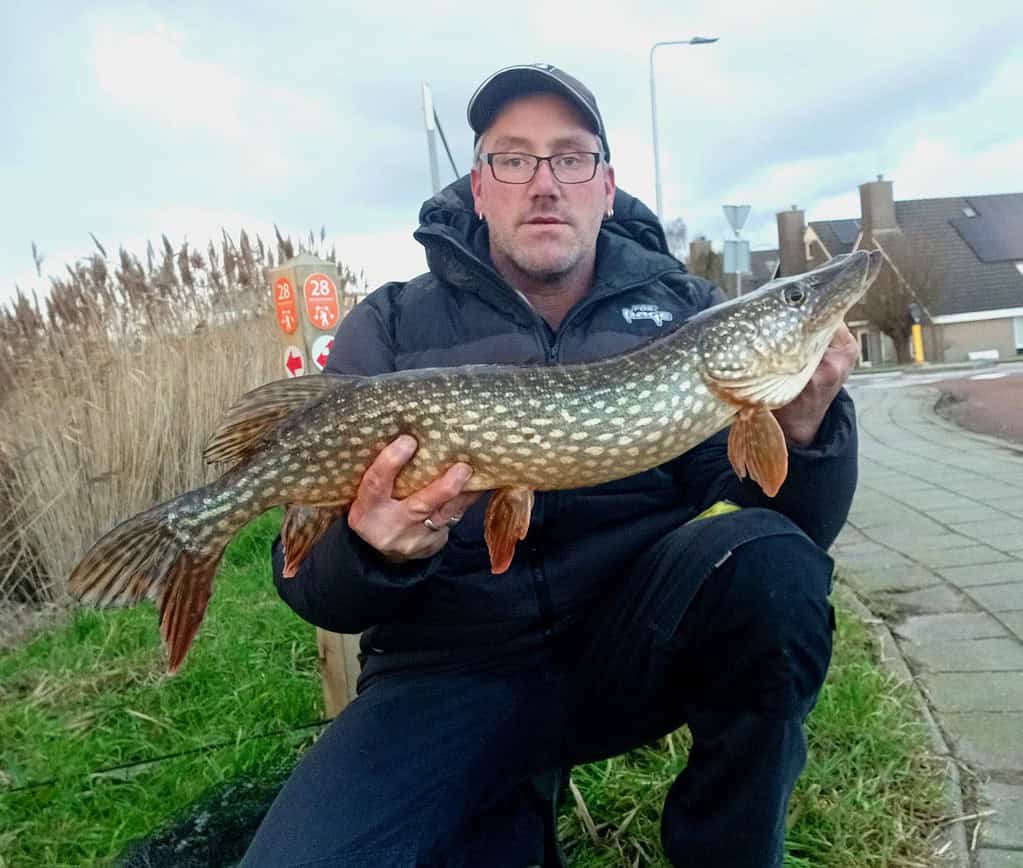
(99, 747)
(869, 796)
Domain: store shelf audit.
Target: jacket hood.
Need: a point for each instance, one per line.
(631, 243)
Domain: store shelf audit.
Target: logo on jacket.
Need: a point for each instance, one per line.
(646, 311)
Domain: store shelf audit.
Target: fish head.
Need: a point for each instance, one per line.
(762, 348)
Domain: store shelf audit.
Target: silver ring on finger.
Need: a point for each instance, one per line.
(429, 523)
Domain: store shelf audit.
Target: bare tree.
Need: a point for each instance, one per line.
(908, 276)
(677, 234)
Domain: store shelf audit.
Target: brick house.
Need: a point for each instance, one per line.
(973, 247)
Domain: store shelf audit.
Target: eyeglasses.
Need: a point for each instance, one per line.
(577, 167)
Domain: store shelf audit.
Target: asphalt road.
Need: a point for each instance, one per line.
(986, 400)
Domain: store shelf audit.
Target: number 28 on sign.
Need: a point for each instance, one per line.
(321, 301)
(284, 303)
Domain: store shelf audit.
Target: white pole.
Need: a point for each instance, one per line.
(431, 137)
(696, 40)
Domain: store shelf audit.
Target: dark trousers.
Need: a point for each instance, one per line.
(724, 625)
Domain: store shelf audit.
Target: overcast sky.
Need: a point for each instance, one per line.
(130, 120)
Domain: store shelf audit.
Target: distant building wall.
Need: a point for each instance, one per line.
(816, 255)
(958, 340)
(876, 349)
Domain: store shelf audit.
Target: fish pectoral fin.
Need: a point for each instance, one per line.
(506, 522)
(258, 411)
(756, 448)
(302, 528)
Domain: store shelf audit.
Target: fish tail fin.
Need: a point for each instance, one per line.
(143, 558)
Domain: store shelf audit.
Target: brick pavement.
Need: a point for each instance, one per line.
(934, 544)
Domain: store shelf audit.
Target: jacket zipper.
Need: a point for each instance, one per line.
(590, 300)
(550, 502)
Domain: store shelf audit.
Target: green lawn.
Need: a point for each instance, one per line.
(100, 747)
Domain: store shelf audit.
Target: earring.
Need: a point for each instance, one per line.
(610, 213)
(480, 215)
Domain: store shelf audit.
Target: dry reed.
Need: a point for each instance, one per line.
(109, 389)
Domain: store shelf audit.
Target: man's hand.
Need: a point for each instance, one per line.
(801, 418)
(396, 528)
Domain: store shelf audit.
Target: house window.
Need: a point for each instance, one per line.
(1017, 330)
(969, 212)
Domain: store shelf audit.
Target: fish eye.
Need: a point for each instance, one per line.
(795, 294)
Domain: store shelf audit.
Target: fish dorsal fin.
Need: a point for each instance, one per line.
(756, 448)
(256, 412)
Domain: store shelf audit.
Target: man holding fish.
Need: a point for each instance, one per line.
(682, 594)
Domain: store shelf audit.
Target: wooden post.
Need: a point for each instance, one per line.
(308, 307)
(339, 668)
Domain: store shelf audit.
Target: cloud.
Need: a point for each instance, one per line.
(193, 117)
(383, 256)
(933, 168)
(155, 72)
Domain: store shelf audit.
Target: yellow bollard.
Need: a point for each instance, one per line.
(918, 344)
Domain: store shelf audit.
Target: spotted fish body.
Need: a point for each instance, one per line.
(305, 443)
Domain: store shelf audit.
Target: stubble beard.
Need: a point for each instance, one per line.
(537, 266)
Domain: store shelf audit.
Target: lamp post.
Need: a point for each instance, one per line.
(696, 40)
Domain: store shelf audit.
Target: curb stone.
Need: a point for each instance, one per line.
(950, 844)
(941, 422)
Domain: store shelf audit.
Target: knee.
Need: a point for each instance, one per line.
(785, 579)
(781, 620)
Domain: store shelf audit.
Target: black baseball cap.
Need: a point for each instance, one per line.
(513, 81)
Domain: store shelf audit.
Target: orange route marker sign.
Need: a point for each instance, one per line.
(321, 301)
(284, 302)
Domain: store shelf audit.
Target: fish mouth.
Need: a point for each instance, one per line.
(767, 357)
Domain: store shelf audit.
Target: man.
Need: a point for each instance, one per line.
(622, 616)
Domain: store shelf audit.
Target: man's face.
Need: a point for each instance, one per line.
(544, 229)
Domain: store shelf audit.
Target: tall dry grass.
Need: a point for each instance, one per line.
(109, 389)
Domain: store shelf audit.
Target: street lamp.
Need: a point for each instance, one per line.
(696, 40)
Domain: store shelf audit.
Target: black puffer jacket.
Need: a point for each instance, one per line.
(579, 541)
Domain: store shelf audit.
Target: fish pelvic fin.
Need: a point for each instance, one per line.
(505, 523)
(756, 448)
(142, 558)
(258, 411)
(302, 528)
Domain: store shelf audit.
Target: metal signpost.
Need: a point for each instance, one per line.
(737, 259)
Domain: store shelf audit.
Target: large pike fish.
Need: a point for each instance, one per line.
(306, 442)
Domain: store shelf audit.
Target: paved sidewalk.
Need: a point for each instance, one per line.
(935, 545)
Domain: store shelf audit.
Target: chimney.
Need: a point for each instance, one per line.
(699, 250)
(792, 242)
(877, 205)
